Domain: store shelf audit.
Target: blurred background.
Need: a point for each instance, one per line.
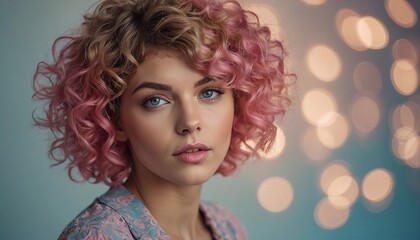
(346, 164)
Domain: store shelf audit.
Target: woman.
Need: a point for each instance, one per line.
(153, 97)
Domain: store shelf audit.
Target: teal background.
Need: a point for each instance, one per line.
(37, 201)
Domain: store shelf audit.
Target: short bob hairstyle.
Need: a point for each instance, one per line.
(83, 84)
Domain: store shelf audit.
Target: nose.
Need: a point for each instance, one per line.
(188, 120)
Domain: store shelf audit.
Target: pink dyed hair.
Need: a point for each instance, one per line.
(218, 37)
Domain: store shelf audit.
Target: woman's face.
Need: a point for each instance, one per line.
(176, 121)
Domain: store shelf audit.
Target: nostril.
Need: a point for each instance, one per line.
(189, 128)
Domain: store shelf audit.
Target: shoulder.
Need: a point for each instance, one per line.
(117, 214)
(98, 221)
(223, 221)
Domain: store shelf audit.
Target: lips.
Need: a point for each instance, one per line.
(192, 153)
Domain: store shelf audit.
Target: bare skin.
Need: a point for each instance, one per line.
(177, 211)
(177, 123)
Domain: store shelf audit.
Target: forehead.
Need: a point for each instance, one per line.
(165, 66)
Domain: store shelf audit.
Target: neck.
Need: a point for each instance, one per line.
(176, 208)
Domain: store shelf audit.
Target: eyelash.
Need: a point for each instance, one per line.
(218, 91)
(147, 100)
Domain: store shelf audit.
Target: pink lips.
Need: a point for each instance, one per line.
(192, 153)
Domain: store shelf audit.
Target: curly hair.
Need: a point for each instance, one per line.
(88, 74)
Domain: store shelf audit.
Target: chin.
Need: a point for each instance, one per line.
(195, 178)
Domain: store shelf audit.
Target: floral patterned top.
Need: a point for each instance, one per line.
(119, 214)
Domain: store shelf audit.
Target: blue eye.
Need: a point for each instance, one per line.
(154, 102)
(210, 94)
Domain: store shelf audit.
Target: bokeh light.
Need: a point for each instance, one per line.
(314, 2)
(367, 78)
(377, 185)
(405, 115)
(276, 149)
(413, 106)
(333, 130)
(330, 217)
(346, 22)
(316, 106)
(406, 146)
(372, 33)
(331, 173)
(414, 161)
(404, 77)
(404, 49)
(278, 146)
(365, 113)
(275, 194)
(324, 63)
(313, 147)
(401, 12)
(361, 33)
(343, 192)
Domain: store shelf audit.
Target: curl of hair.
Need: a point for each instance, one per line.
(90, 69)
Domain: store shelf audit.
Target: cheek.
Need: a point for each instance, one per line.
(148, 145)
(223, 124)
(148, 134)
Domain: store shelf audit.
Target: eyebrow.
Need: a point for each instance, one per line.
(203, 81)
(165, 87)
